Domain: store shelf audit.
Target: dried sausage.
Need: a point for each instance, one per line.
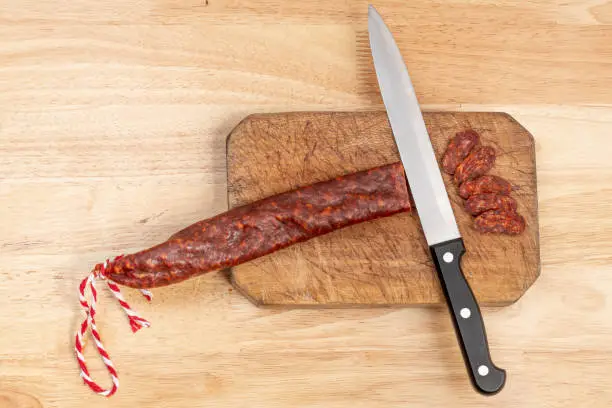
(253, 230)
(458, 149)
(477, 163)
(480, 203)
(485, 184)
(500, 222)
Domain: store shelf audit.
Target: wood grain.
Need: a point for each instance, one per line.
(113, 121)
(383, 262)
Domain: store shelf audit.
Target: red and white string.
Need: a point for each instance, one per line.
(89, 307)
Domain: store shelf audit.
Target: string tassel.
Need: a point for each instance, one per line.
(89, 307)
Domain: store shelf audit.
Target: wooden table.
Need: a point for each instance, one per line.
(113, 118)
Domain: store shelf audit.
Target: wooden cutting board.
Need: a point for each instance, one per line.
(383, 262)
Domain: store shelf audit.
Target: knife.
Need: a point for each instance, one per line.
(432, 204)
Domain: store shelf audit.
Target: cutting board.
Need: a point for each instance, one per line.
(384, 262)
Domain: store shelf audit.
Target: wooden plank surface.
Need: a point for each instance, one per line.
(113, 119)
(384, 262)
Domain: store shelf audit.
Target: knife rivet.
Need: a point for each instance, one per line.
(465, 313)
(448, 257)
(483, 370)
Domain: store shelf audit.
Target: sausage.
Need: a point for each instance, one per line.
(485, 184)
(476, 164)
(458, 149)
(500, 222)
(254, 230)
(480, 203)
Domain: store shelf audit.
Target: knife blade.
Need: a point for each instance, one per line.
(432, 204)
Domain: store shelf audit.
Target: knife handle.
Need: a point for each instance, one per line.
(485, 376)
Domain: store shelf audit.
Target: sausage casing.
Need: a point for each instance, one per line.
(256, 229)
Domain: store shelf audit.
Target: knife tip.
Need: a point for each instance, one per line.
(372, 12)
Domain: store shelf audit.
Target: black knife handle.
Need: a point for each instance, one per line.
(469, 326)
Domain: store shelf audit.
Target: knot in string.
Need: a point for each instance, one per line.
(89, 307)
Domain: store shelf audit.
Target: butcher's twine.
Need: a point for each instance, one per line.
(136, 323)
